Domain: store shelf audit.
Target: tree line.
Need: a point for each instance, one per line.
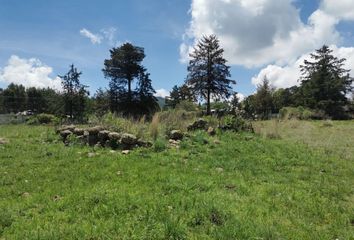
(324, 86)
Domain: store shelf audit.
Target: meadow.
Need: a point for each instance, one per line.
(289, 180)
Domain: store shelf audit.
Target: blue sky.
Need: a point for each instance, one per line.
(41, 38)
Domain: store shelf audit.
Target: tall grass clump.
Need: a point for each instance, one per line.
(154, 126)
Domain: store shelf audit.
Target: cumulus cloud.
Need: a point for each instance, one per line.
(258, 32)
(94, 38)
(289, 75)
(29, 72)
(343, 9)
(162, 93)
(107, 35)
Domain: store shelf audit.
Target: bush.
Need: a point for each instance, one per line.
(301, 113)
(160, 145)
(43, 118)
(237, 124)
(187, 106)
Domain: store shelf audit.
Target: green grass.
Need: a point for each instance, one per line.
(246, 187)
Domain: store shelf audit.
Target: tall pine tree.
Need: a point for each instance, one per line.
(325, 83)
(122, 68)
(207, 71)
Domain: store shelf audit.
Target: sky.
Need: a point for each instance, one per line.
(39, 39)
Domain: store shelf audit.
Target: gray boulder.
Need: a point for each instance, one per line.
(176, 135)
(198, 124)
(129, 139)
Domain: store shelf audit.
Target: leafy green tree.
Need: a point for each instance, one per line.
(179, 94)
(35, 99)
(2, 110)
(122, 68)
(325, 83)
(14, 98)
(248, 105)
(207, 71)
(101, 102)
(75, 94)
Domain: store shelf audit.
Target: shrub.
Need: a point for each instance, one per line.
(43, 118)
(237, 124)
(301, 113)
(160, 145)
(187, 106)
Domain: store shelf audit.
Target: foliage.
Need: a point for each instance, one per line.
(325, 83)
(180, 94)
(75, 94)
(207, 71)
(125, 66)
(301, 113)
(236, 123)
(263, 100)
(160, 145)
(43, 118)
(14, 98)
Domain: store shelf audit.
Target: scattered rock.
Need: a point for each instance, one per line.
(174, 143)
(119, 173)
(125, 152)
(199, 124)
(56, 198)
(219, 170)
(65, 133)
(211, 131)
(79, 131)
(129, 139)
(71, 128)
(94, 130)
(103, 136)
(26, 195)
(176, 135)
(142, 143)
(114, 136)
(3, 141)
(112, 151)
(91, 155)
(217, 142)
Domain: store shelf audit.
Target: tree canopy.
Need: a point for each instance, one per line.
(208, 74)
(325, 83)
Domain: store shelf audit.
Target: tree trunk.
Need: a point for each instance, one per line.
(129, 90)
(208, 103)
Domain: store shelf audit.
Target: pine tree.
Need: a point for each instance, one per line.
(145, 100)
(207, 71)
(264, 99)
(74, 93)
(325, 83)
(122, 68)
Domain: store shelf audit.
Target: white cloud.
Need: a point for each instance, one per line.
(241, 96)
(94, 38)
(288, 75)
(162, 93)
(342, 9)
(29, 72)
(258, 32)
(107, 35)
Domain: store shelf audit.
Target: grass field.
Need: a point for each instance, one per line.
(296, 185)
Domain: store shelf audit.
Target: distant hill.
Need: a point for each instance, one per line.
(161, 101)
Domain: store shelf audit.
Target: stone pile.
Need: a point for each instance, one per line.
(99, 136)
